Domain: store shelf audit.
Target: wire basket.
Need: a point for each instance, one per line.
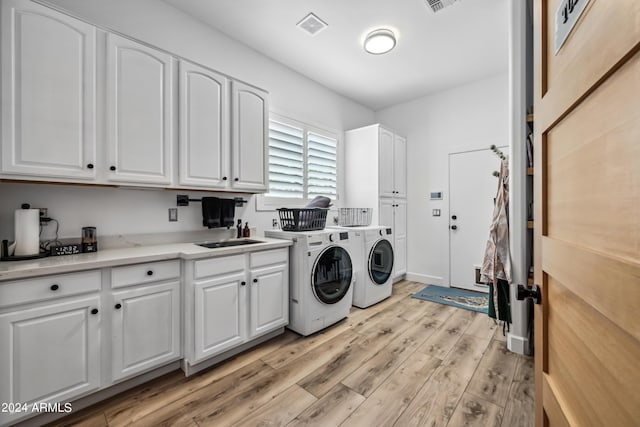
(354, 217)
(302, 219)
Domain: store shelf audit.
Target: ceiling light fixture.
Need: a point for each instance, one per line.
(379, 41)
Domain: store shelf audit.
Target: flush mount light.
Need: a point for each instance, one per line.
(379, 41)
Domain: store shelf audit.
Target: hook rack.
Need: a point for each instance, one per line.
(498, 152)
(183, 200)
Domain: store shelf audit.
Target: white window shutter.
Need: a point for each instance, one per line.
(286, 161)
(322, 166)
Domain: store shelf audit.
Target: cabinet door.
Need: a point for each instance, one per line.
(400, 237)
(386, 213)
(50, 353)
(145, 328)
(400, 166)
(204, 127)
(220, 305)
(385, 163)
(269, 299)
(139, 113)
(249, 146)
(48, 92)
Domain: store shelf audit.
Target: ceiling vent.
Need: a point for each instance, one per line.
(312, 24)
(438, 5)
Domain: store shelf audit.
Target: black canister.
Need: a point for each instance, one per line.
(89, 239)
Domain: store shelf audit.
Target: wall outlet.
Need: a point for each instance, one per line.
(173, 214)
(435, 212)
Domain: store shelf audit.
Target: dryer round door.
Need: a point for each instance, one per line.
(331, 275)
(381, 262)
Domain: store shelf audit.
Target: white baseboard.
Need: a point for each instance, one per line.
(517, 344)
(426, 279)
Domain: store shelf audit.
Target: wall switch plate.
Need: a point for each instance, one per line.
(435, 212)
(435, 195)
(173, 214)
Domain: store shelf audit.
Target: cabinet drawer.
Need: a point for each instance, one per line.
(276, 256)
(144, 273)
(216, 266)
(48, 287)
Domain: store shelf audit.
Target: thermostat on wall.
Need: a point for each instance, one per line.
(435, 195)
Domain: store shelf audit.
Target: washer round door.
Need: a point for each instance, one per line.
(331, 275)
(381, 262)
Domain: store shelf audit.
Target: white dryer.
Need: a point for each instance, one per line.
(320, 278)
(373, 257)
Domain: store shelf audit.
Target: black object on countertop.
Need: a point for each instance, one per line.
(239, 227)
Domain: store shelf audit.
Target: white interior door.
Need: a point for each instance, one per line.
(472, 188)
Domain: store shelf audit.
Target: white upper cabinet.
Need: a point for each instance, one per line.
(386, 174)
(204, 127)
(400, 166)
(48, 92)
(139, 111)
(249, 146)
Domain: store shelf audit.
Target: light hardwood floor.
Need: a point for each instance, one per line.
(403, 362)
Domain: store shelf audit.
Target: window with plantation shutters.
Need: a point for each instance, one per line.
(321, 166)
(303, 162)
(286, 161)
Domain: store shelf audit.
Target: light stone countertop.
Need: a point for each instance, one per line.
(10, 270)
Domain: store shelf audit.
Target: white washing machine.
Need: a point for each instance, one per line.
(373, 264)
(320, 278)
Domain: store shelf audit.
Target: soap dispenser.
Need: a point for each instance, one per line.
(246, 232)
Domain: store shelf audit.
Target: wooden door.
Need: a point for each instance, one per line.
(472, 189)
(48, 93)
(204, 127)
(139, 112)
(249, 145)
(587, 219)
(145, 328)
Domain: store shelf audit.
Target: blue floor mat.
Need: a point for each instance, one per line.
(468, 300)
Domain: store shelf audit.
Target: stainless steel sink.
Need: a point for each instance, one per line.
(228, 243)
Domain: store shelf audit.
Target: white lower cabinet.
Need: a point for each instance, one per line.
(49, 353)
(235, 299)
(145, 328)
(269, 292)
(393, 213)
(219, 314)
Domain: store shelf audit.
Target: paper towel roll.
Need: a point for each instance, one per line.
(27, 232)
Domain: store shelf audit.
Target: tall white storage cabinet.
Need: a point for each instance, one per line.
(376, 177)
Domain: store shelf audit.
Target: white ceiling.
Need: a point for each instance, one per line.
(463, 42)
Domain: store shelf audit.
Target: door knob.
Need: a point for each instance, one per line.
(454, 227)
(534, 293)
(118, 306)
(454, 216)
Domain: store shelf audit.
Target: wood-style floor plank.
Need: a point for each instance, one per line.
(436, 401)
(331, 410)
(281, 410)
(367, 377)
(494, 375)
(475, 412)
(389, 400)
(403, 361)
(520, 409)
(443, 340)
(232, 410)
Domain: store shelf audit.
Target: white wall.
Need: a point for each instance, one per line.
(120, 211)
(468, 117)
